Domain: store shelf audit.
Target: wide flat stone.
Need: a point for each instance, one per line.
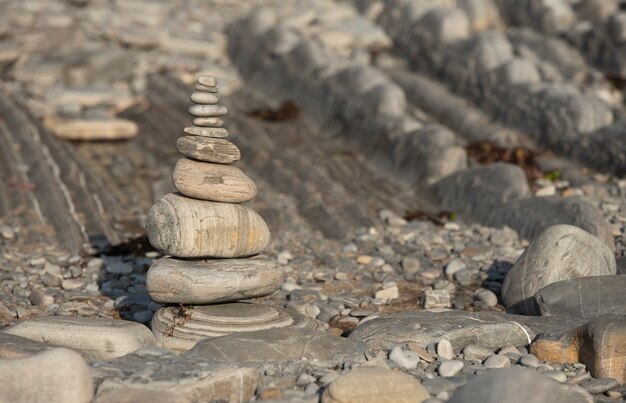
(208, 149)
(180, 328)
(559, 253)
(486, 329)
(204, 98)
(215, 132)
(208, 281)
(206, 88)
(92, 130)
(375, 385)
(280, 347)
(518, 385)
(583, 297)
(94, 338)
(213, 182)
(184, 227)
(12, 346)
(58, 375)
(599, 344)
(192, 379)
(204, 111)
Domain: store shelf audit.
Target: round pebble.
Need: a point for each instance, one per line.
(450, 368)
(404, 358)
(445, 350)
(497, 361)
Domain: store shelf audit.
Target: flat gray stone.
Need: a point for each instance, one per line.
(94, 338)
(281, 347)
(171, 280)
(191, 378)
(180, 328)
(205, 111)
(209, 122)
(206, 88)
(583, 297)
(208, 149)
(58, 375)
(561, 252)
(216, 132)
(204, 98)
(518, 385)
(491, 330)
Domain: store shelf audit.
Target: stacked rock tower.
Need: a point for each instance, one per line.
(212, 240)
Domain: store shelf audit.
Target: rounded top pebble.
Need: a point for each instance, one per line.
(207, 80)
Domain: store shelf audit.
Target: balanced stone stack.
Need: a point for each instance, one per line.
(212, 239)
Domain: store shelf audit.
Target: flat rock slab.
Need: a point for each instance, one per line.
(518, 385)
(487, 329)
(58, 375)
(209, 128)
(561, 252)
(12, 346)
(94, 338)
(282, 347)
(208, 149)
(599, 344)
(184, 227)
(191, 378)
(91, 130)
(180, 328)
(208, 281)
(583, 297)
(375, 385)
(213, 182)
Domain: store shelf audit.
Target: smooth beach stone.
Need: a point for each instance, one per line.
(12, 346)
(184, 227)
(518, 385)
(561, 252)
(208, 149)
(113, 129)
(280, 347)
(207, 80)
(191, 379)
(208, 122)
(583, 297)
(204, 98)
(212, 280)
(94, 338)
(180, 328)
(58, 375)
(206, 88)
(217, 132)
(375, 385)
(202, 111)
(213, 182)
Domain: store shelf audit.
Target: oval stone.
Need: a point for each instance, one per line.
(204, 98)
(208, 149)
(208, 122)
(206, 88)
(217, 132)
(203, 111)
(180, 328)
(95, 130)
(183, 227)
(207, 80)
(214, 182)
(214, 280)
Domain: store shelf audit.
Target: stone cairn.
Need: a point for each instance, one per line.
(212, 239)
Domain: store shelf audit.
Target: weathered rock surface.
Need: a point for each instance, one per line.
(375, 385)
(517, 385)
(486, 329)
(213, 280)
(281, 348)
(139, 395)
(216, 132)
(184, 227)
(560, 253)
(113, 129)
(58, 375)
(208, 149)
(12, 346)
(190, 378)
(599, 344)
(583, 297)
(213, 182)
(94, 338)
(180, 328)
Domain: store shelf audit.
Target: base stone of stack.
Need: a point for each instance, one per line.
(209, 281)
(186, 228)
(180, 328)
